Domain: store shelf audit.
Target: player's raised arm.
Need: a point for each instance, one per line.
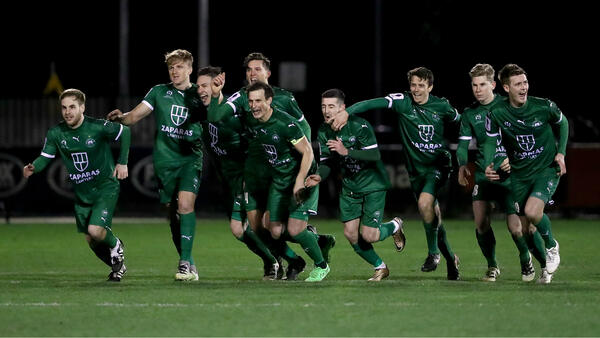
(139, 112)
(341, 118)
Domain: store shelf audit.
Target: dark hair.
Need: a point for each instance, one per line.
(257, 56)
(261, 85)
(509, 70)
(76, 93)
(422, 73)
(336, 93)
(210, 71)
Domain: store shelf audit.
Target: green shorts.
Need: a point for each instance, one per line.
(232, 176)
(431, 181)
(282, 205)
(257, 179)
(368, 206)
(172, 180)
(542, 186)
(500, 193)
(236, 198)
(101, 209)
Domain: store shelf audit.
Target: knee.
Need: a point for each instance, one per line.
(185, 207)
(96, 233)
(351, 235)
(533, 214)
(370, 235)
(237, 228)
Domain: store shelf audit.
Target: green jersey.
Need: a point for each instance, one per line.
(86, 153)
(224, 140)
(358, 176)
(177, 113)
(277, 138)
(527, 134)
(421, 128)
(282, 99)
(473, 126)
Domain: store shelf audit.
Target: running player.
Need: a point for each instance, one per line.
(226, 143)
(177, 153)
(364, 182)
(537, 162)
(486, 192)
(83, 143)
(422, 118)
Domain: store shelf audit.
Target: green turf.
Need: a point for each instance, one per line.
(51, 284)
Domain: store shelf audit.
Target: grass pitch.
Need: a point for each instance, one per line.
(51, 284)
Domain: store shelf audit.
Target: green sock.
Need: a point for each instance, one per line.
(545, 229)
(110, 239)
(308, 242)
(443, 244)
(188, 229)
(521, 243)
(365, 250)
(102, 251)
(257, 246)
(386, 230)
(536, 244)
(174, 224)
(487, 243)
(431, 234)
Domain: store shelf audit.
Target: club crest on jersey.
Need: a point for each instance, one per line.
(352, 139)
(426, 132)
(63, 144)
(179, 114)
(275, 137)
(90, 142)
(526, 142)
(80, 161)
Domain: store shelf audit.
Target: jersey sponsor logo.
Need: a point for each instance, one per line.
(80, 161)
(426, 132)
(179, 114)
(526, 142)
(177, 133)
(214, 139)
(271, 153)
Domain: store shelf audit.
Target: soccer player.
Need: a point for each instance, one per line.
(484, 191)
(422, 118)
(83, 144)
(225, 141)
(290, 155)
(177, 153)
(364, 182)
(537, 162)
(256, 182)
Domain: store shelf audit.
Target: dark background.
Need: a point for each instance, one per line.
(336, 40)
